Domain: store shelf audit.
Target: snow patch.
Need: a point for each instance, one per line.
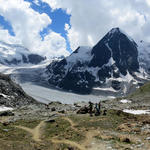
(3, 108)
(3, 95)
(104, 89)
(83, 55)
(124, 101)
(136, 112)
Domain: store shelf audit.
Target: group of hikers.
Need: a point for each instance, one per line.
(92, 108)
(96, 110)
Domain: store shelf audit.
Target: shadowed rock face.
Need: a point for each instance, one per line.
(35, 59)
(12, 95)
(118, 46)
(116, 54)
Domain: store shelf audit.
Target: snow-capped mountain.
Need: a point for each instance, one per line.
(111, 66)
(12, 54)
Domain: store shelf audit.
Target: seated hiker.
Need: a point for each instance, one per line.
(46, 106)
(105, 112)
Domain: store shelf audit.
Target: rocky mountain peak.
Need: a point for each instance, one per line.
(114, 57)
(119, 47)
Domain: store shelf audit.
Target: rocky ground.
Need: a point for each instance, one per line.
(36, 126)
(59, 127)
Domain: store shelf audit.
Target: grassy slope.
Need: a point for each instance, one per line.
(15, 139)
(143, 93)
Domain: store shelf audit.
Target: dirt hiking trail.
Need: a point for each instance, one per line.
(35, 132)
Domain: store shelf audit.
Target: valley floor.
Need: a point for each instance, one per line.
(31, 79)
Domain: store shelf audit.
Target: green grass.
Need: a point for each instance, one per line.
(62, 130)
(17, 139)
(142, 91)
(28, 123)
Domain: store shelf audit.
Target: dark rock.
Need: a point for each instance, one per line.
(35, 59)
(76, 105)
(50, 121)
(61, 111)
(53, 109)
(83, 110)
(126, 140)
(70, 148)
(6, 113)
(116, 85)
(5, 123)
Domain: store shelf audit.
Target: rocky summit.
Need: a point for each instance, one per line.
(112, 65)
(117, 50)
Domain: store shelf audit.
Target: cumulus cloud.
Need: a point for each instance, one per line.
(92, 19)
(27, 25)
(55, 43)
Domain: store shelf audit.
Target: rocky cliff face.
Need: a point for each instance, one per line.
(117, 49)
(12, 95)
(112, 65)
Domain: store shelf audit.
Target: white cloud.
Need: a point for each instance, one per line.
(36, 2)
(92, 19)
(27, 24)
(54, 43)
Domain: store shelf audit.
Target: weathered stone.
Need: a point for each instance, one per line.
(6, 113)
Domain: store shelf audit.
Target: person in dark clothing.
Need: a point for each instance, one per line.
(46, 106)
(105, 112)
(90, 108)
(97, 110)
(99, 107)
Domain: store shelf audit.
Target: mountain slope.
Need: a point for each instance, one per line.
(12, 95)
(11, 54)
(143, 93)
(112, 63)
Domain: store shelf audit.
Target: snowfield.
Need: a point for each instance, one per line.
(3, 108)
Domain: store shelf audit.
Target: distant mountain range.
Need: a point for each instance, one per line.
(12, 54)
(116, 65)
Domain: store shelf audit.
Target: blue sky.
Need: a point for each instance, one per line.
(40, 26)
(59, 18)
(6, 25)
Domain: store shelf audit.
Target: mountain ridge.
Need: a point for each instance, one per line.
(15, 54)
(113, 60)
